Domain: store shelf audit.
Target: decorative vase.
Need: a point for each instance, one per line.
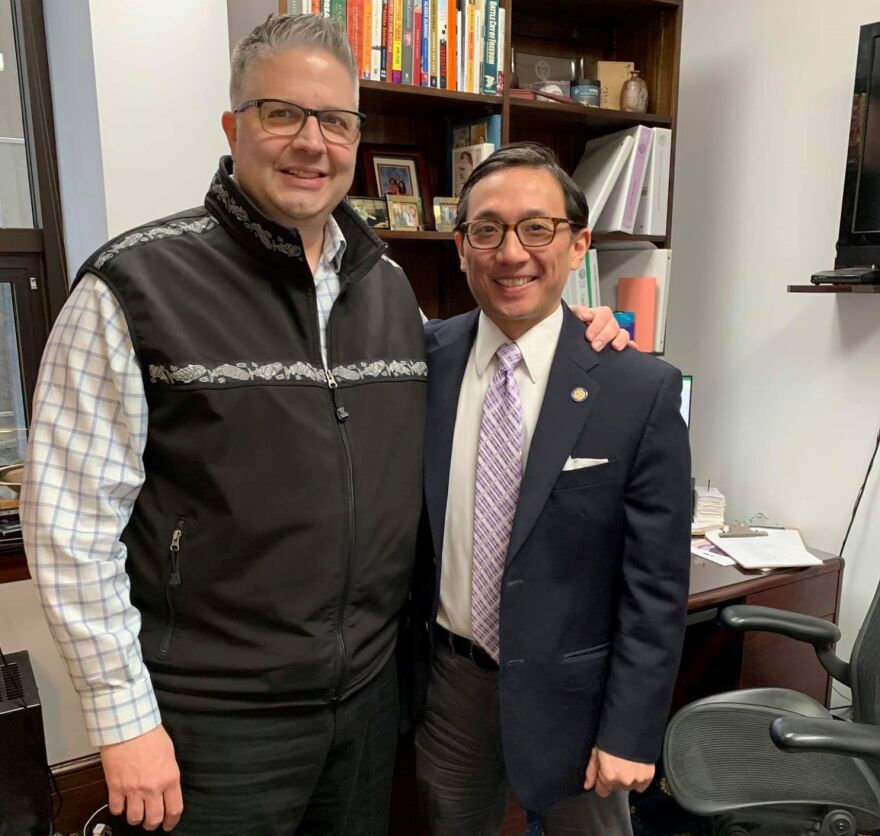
(634, 94)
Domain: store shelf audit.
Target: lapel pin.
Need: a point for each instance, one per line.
(579, 395)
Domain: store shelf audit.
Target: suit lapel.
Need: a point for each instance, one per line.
(560, 424)
(446, 364)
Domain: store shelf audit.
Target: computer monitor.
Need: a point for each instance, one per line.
(859, 239)
(687, 382)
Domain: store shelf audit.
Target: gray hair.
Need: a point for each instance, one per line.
(280, 32)
(527, 155)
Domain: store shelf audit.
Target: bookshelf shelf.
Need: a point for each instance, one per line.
(405, 235)
(592, 116)
(834, 288)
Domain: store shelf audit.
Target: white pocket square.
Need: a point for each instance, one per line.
(577, 464)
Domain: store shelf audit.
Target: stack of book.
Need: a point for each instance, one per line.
(447, 44)
(709, 507)
(10, 527)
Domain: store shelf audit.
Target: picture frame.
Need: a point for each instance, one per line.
(397, 170)
(405, 212)
(445, 209)
(373, 211)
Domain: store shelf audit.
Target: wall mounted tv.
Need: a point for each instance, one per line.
(858, 244)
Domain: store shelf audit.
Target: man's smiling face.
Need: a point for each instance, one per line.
(515, 286)
(297, 181)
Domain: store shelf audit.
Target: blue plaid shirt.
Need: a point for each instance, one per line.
(83, 474)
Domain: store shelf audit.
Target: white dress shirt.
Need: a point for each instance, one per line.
(538, 347)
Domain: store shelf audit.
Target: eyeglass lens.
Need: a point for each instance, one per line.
(532, 232)
(285, 119)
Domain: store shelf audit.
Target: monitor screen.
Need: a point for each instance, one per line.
(687, 382)
(858, 242)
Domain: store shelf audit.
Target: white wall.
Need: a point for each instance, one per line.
(137, 92)
(786, 394)
(244, 15)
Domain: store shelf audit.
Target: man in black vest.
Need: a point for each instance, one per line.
(224, 476)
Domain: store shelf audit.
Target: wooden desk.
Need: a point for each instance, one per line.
(714, 660)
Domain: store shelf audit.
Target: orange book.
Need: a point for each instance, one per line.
(639, 295)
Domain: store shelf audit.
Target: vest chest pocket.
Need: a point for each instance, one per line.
(174, 580)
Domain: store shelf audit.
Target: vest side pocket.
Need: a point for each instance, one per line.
(174, 580)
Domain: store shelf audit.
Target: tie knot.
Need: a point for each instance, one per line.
(509, 356)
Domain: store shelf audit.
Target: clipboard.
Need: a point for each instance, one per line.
(780, 548)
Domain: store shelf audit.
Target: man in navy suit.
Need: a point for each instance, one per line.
(557, 495)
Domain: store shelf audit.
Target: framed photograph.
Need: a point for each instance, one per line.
(465, 160)
(405, 212)
(444, 213)
(397, 171)
(373, 211)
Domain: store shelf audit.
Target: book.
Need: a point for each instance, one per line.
(648, 261)
(408, 34)
(473, 132)
(501, 24)
(396, 38)
(599, 169)
(582, 285)
(651, 214)
(465, 160)
(619, 213)
(489, 75)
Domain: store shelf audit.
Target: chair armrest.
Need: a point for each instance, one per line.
(795, 625)
(818, 632)
(806, 734)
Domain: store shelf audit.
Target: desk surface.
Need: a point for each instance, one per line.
(711, 583)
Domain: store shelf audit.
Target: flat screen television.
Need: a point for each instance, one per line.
(858, 243)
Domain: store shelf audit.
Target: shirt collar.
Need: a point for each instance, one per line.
(538, 344)
(334, 245)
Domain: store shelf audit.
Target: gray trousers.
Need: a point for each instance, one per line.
(460, 762)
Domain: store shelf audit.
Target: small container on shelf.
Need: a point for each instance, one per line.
(634, 94)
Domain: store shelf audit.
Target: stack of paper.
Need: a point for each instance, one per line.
(778, 549)
(709, 504)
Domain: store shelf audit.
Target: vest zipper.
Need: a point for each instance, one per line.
(173, 581)
(342, 416)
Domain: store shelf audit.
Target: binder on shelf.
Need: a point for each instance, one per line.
(647, 261)
(599, 169)
(651, 214)
(582, 285)
(619, 214)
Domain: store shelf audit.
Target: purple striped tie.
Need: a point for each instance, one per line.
(499, 474)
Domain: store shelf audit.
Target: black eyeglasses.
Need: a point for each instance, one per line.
(532, 232)
(281, 118)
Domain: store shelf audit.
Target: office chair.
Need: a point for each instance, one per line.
(774, 762)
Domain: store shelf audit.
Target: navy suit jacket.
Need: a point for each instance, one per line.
(594, 591)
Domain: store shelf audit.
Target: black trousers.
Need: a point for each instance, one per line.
(322, 771)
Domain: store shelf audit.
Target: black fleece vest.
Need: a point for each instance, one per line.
(272, 543)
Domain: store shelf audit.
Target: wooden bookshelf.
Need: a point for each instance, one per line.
(834, 288)
(647, 32)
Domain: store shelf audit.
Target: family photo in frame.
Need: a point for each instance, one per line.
(396, 171)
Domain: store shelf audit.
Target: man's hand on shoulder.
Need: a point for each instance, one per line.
(602, 327)
(143, 780)
(607, 773)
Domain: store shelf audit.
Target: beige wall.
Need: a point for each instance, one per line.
(786, 394)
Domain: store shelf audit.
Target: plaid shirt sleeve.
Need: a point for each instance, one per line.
(83, 472)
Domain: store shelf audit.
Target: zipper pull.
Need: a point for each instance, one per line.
(174, 578)
(341, 412)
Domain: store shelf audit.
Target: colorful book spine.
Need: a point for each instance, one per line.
(397, 42)
(406, 73)
(354, 28)
(502, 22)
(367, 39)
(435, 43)
(417, 43)
(443, 42)
(452, 45)
(490, 54)
(469, 48)
(425, 69)
(327, 8)
(376, 38)
(385, 63)
(339, 12)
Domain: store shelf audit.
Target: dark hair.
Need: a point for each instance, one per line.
(527, 155)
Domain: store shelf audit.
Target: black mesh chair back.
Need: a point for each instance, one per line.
(865, 668)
